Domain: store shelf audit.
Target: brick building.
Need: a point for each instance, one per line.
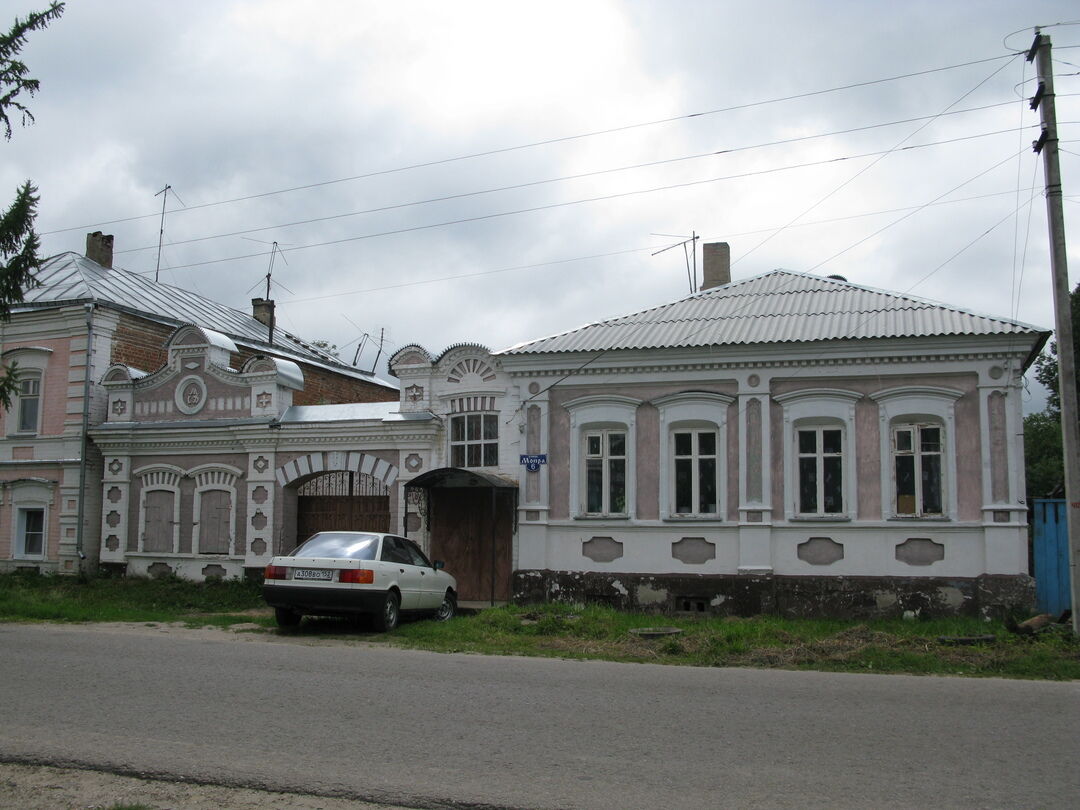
(85, 317)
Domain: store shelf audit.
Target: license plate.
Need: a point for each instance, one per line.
(313, 573)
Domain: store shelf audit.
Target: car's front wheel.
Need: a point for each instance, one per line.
(286, 617)
(387, 618)
(447, 609)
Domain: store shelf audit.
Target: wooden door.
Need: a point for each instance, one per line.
(350, 513)
(462, 536)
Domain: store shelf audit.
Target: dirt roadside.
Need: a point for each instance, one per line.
(42, 787)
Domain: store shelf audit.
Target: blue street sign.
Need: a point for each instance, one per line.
(532, 463)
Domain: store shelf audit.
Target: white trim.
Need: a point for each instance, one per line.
(165, 478)
(912, 404)
(178, 395)
(30, 494)
(818, 407)
(601, 413)
(219, 478)
(695, 410)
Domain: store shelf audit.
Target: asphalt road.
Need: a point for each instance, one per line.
(422, 729)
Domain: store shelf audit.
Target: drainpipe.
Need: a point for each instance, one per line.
(85, 428)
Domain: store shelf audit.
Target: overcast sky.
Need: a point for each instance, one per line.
(226, 99)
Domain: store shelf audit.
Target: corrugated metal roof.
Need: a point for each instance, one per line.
(71, 278)
(777, 307)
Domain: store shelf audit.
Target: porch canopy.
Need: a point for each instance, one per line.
(470, 528)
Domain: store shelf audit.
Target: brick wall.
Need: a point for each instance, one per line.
(323, 387)
(140, 343)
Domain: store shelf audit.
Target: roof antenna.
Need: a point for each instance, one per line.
(382, 333)
(274, 250)
(691, 265)
(161, 233)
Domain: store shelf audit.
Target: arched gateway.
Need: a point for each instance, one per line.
(339, 491)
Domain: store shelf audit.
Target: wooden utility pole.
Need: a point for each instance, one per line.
(1063, 327)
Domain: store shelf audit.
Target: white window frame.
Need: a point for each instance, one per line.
(918, 405)
(31, 362)
(692, 412)
(466, 442)
(26, 495)
(593, 414)
(820, 408)
(606, 458)
(21, 399)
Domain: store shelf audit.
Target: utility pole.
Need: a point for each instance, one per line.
(1063, 327)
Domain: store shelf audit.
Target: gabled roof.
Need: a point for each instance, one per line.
(777, 307)
(69, 278)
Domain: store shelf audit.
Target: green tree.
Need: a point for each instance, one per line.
(18, 242)
(1046, 364)
(1044, 462)
(326, 346)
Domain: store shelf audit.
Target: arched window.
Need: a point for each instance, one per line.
(24, 418)
(693, 442)
(819, 454)
(918, 461)
(602, 477)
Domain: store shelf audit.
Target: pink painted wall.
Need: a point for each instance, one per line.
(54, 385)
(647, 438)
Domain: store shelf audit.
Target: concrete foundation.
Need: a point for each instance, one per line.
(750, 595)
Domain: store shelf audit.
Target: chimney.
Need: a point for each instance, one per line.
(715, 265)
(262, 310)
(99, 248)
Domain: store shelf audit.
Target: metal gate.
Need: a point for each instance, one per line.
(1051, 554)
(342, 501)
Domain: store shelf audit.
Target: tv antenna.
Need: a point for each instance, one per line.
(274, 251)
(161, 231)
(690, 254)
(364, 338)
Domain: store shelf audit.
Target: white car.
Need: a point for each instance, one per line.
(355, 573)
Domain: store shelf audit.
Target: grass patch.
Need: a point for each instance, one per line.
(121, 599)
(891, 646)
(575, 631)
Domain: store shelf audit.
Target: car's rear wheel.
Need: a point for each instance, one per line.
(286, 617)
(447, 609)
(387, 618)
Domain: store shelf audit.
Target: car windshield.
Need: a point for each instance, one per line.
(349, 545)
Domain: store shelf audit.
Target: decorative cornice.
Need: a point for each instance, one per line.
(765, 363)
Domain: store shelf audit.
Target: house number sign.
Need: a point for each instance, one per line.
(532, 463)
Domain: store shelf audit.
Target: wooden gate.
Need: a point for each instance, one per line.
(342, 501)
(471, 530)
(1051, 556)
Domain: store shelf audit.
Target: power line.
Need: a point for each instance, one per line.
(456, 277)
(565, 178)
(600, 198)
(865, 169)
(549, 141)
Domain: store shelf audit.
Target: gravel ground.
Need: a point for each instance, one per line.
(42, 787)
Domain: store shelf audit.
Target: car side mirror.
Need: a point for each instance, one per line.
(439, 565)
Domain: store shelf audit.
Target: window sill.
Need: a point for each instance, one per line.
(820, 519)
(693, 519)
(601, 517)
(919, 518)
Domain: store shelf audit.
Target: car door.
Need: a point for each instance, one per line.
(399, 564)
(432, 582)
